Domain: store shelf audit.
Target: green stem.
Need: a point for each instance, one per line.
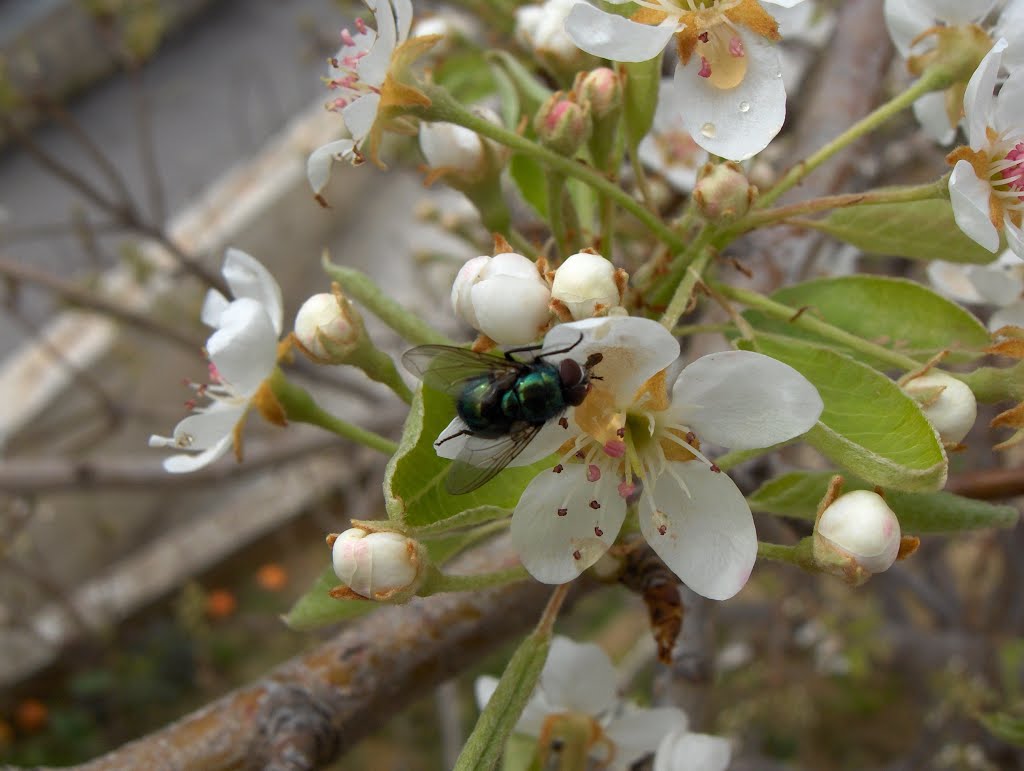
(299, 406)
(444, 108)
(684, 292)
(438, 582)
(360, 287)
(556, 212)
(780, 214)
(932, 80)
(685, 330)
(667, 288)
(807, 321)
(801, 555)
(520, 243)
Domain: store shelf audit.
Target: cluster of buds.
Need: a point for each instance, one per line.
(509, 299)
(948, 403)
(384, 565)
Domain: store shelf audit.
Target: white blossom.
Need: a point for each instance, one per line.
(910, 23)
(728, 76)
(242, 352)
(986, 187)
(378, 565)
(669, 149)
(328, 327)
(355, 74)
(579, 682)
(999, 283)
(635, 437)
(504, 297)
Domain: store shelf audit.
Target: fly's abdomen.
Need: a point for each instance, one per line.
(536, 397)
(480, 406)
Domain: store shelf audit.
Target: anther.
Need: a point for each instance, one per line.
(563, 422)
(595, 505)
(558, 469)
(576, 555)
(662, 529)
(593, 473)
(562, 512)
(598, 531)
(715, 468)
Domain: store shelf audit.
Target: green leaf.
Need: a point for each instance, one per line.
(797, 495)
(921, 230)
(640, 97)
(316, 608)
(869, 426)
(530, 91)
(899, 314)
(484, 746)
(466, 75)
(1009, 728)
(531, 181)
(414, 491)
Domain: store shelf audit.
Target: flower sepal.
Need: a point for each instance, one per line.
(957, 53)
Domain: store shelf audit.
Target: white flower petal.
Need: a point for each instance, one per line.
(979, 98)
(930, 111)
(739, 122)
(1014, 237)
(578, 677)
(318, 167)
(683, 751)
(970, 197)
(403, 18)
(359, 116)
(247, 278)
(484, 688)
(783, 3)
(187, 463)
(744, 400)
(214, 304)
(374, 66)
(709, 539)
(548, 543)
(953, 280)
(634, 349)
(1011, 27)
(244, 349)
(1009, 107)
(1010, 316)
(995, 284)
(638, 732)
(906, 20)
(202, 430)
(615, 37)
(510, 310)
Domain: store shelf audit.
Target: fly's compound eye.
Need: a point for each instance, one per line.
(570, 373)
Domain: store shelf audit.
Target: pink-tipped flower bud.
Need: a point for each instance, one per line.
(587, 285)
(601, 91)
(856, 536)
(563, 124)
(948, 404)
(328, 328)
(503, 297)
(383, 566)
(723, 191)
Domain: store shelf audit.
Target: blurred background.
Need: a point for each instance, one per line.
(138, 140)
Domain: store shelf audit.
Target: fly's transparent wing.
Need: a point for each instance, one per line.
(446, 368)
(482, 459)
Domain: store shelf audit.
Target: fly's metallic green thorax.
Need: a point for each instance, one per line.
(491, 404)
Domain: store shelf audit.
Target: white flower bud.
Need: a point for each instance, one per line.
(586, 284)
(379, 566)
(856, 536)
(450, 26)
(328, 328)
(447, 146)
(504, 297)
(947, 402)
(541, 28)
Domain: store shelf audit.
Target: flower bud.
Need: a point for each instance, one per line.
(451, 26)
(328, 328)
(601, 91)
(587, 285)
(541, 29)
(383, 566)
(460, 153)
(562, 124)
(856, 536)
(723, 192)
(504, 297)
(948, 404)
